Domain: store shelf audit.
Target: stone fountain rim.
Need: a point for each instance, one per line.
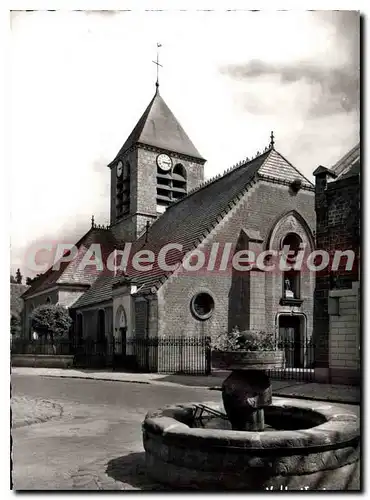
(340, 428)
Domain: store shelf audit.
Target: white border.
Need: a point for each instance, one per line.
(4, 113)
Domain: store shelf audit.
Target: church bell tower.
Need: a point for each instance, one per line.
(156, 166)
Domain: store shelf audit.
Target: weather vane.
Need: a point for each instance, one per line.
(157, 63)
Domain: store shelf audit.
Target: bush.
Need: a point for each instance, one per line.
(247, 340)
(50, 321)
(15, 325)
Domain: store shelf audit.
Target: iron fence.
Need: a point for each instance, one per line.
(187, 355)
(25, 346)
(299, 361)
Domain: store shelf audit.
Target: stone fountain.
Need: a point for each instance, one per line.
(257, 443)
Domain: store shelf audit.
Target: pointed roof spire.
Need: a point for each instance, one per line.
(272, 140)
(92, 221)
(159, 127)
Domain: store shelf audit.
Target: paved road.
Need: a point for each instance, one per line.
(99, 423)
(93, 441)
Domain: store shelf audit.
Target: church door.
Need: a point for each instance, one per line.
(120, 338)
(290, 335)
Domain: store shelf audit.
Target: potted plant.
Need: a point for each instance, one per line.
(247, 350)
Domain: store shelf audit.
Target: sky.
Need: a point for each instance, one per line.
(79, 82)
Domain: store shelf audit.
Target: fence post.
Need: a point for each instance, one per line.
(208, 355)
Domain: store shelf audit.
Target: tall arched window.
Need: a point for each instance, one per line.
(291, 244)
(178, 181)
(123, 188)
(171, 186)
(48, 300)
(120, 332)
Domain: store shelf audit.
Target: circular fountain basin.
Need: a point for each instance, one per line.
(306, 446)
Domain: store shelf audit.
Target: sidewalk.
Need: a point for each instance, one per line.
(287, 388)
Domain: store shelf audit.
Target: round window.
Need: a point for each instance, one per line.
(202, 305)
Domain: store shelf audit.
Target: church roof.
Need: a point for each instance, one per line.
(69, 272)
(345, 164)
(159, 127)
(188, 221)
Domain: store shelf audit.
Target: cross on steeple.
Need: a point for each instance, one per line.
(272, 140)
(157, 63)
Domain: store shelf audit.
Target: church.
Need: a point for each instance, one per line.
(159, 197)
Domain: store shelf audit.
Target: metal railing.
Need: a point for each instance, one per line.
(188, 355)
(299, 361)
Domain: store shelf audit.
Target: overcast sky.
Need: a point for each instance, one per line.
(81, 80)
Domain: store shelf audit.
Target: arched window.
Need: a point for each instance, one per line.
(48, 300)
(178, 182)
(123, 189)
(290, 245)
(180, 171)
(171, 186)
(120, 332)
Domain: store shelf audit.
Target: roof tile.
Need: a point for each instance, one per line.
(159, 127)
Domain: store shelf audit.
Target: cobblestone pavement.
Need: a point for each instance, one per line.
(27, 410)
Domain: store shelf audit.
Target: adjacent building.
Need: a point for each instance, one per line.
(337, 293)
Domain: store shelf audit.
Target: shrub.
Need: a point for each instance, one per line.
(50, 321)
(247, 340)
(15, 325)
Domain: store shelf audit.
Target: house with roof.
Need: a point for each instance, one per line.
(161, 205)
(337, 292)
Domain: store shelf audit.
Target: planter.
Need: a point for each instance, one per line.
(247, 360)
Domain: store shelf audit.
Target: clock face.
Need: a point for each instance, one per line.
(164, 162)
(119, 169)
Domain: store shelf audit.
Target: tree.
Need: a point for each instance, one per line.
(29, 280)
(51, 321)
(12, 279)
(18, 277)
(15, 324)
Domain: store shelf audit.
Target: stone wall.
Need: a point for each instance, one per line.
(143, 189)
(344, 337)
(251, 300)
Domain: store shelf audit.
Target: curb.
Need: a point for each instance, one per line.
(307, 398)
(210, 388)
(102, 379)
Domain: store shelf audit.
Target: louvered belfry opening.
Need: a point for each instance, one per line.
(171, 186)
(123, 191)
